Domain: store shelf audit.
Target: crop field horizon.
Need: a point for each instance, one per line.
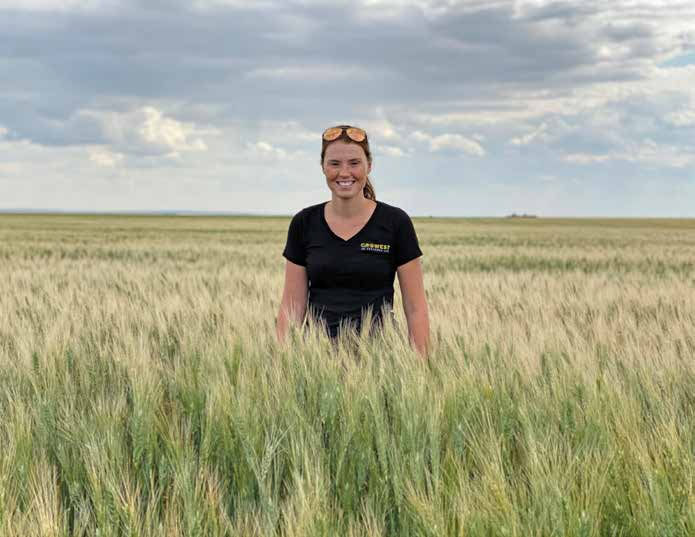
(142, 391)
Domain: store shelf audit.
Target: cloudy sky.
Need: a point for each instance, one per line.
(472, 107)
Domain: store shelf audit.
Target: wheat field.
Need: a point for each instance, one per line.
(142, 391)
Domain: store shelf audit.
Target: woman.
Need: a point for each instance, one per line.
(342, 255)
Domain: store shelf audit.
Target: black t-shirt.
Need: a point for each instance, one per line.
(347, 276)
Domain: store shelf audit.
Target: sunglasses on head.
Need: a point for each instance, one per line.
(354, 133)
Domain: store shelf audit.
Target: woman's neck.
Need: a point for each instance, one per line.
(349, 208)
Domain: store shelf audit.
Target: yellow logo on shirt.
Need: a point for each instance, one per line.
(374, 247)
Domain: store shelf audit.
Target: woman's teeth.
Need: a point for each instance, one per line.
(345, 183)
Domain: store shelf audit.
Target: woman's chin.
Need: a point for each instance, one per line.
(346, 193)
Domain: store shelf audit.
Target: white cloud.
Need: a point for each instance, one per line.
(380, 128)
(390, 151)
(267, 150)
(588, 158)
(147, 131)
(456, 142)
(539, 133)
(431, 9)
(513, 106)
(300, 73)
(682, 118)
(237, 4)
(648, 152)
(104, 157)
(288, 132)
(420, 136)
(159, 130)
(470, 146)
(49, 5)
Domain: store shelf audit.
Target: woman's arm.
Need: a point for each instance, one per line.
(415, 305)
(294, 299)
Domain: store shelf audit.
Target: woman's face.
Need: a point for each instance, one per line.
(346, 168)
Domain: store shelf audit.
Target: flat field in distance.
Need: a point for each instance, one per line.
(142, 392)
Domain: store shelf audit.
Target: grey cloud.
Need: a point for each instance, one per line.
(46, 127)
(566, 12)
(627, 31)
(635, 130)
(253, 63)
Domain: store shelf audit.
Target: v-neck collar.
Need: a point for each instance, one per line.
(342, 240)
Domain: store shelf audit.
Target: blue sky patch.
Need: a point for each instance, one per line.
(680, 61)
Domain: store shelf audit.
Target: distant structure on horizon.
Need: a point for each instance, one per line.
(523, 215)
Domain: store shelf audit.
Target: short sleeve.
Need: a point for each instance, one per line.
(407, 247)
(294, 248)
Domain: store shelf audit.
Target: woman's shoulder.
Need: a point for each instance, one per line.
(310, 210)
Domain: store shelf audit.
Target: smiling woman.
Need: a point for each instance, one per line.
(343, 254)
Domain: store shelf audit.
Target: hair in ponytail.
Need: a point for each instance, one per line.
(368, 191)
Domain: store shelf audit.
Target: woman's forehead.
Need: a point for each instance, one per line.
(343, 150)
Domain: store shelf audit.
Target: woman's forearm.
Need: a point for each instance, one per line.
(281, 326)
(285, 316)
(419, 330)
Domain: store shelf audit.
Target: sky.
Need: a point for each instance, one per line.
(472, 108)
